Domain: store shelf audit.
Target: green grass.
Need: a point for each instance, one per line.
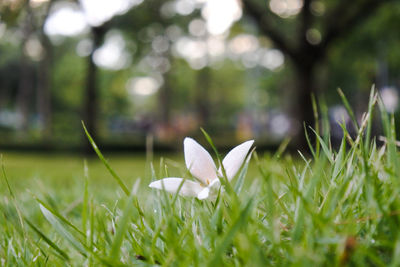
(61, 172)
(334, 208)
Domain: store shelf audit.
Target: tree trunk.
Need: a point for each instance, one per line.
(202, 96)
(44, 94)
(25, 87)
(91, 107)
(44, 89)
(302, 110)
(165, 101)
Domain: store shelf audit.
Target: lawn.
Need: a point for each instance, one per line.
(63, 174)
(334, 207)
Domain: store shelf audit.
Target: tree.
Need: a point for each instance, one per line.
(44, 78)
(303, 50)
(91, 98)
(26, 82)
(203, 84)
(33, 18)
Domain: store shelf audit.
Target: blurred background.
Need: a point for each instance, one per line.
(144, 73)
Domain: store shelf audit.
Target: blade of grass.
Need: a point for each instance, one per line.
(282, 147)
(47, 240)
(122, 228)
(348, 108)
(59, 216)
(236, 225)
(85, 198)
(243, 172)
(325, 148)
(371, 104)
(209, 140)
(62, 230)
(101, 157)
(310, 146)
(316, 119)
(14, 200)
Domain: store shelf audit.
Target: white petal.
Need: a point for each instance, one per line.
(210, 191)
(204, 193)
(198, 161)
(171, 185)
(215, 184)
(234, 159)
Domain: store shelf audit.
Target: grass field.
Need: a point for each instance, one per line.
(64, 174)
(332, 208)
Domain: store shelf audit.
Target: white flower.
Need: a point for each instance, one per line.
(201, 165)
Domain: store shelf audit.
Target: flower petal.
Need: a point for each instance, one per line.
(234, 159)
(171, 185)
(210, 191)
(198, 161)
(215, 184)
(204, 193)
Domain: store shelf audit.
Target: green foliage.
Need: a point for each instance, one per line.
(361, 58)
(337, 208)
